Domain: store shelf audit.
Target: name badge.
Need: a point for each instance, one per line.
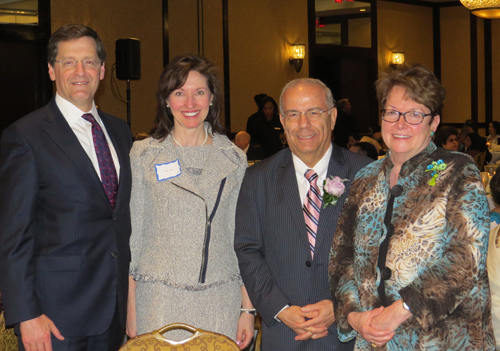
(168, 170)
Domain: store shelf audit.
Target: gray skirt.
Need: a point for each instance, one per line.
(216, 309)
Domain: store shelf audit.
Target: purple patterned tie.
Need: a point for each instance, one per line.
(106, 164)
(312, 208)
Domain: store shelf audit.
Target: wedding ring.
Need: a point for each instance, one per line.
(373, 345)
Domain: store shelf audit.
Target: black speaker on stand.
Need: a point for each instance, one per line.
(128, 65)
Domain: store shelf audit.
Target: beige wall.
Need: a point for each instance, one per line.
(117, 19)
(360, 34)
(406, 28)
(495, 33)
(258, 35)
(455, 63)
(415, 39)
(183, 39)
(259, 32)
(189, 34)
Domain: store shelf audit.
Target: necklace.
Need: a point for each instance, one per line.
(206, 137)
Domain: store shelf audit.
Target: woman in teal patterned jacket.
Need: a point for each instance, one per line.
(408, 260)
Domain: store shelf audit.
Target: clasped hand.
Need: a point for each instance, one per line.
(378, 326)
(309, 322)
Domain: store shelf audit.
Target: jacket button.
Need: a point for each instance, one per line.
(114, 254)
(386, 273)
(308, 264)
(114, 219)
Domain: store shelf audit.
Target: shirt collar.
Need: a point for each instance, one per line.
(321, 168)
(73, 114)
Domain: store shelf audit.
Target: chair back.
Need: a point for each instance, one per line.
(200, 340)
(480, 159)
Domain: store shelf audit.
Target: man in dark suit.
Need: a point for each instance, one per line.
(281, 244)
(65, 189)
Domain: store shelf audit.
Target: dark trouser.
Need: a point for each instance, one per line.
(111, 340)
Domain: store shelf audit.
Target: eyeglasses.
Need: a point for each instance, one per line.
(411, 117)
(87, 63)
(312, 114)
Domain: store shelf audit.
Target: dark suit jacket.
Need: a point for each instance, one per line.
(273, 250)
(255, 152)
(63, 251)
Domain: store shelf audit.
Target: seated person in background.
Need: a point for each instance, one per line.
(474, 144)
(447, 138)
(462, 135)
(365, 149)
(494, 130)
(253, 151)
(471, 123)
(493, 258)
(367, 139)
(353, 139)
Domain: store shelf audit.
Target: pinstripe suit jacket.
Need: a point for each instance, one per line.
(273, 250)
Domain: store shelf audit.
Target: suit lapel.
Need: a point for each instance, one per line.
(289, 191)
(62, 134)
(329, 215)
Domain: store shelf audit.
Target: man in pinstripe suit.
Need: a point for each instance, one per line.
(284, 270)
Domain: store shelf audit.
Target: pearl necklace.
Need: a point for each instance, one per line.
(206, 137)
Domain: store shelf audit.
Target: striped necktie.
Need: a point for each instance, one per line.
(107, 168)
(312, 208)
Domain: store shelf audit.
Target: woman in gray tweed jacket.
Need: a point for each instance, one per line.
(186, 180)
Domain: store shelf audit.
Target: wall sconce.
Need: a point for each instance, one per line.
(397, 60)
(297, 54)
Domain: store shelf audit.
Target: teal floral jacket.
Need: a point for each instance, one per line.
(437, 254)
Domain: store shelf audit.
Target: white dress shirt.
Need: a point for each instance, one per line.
(83, 131)
(321, 168)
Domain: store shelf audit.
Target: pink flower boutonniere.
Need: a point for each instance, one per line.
(333, 189)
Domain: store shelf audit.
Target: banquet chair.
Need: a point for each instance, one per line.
(480, 160)
(200, 340)
(258, 327)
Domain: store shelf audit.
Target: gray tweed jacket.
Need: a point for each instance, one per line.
(169, 217)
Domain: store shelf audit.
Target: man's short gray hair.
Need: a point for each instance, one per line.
(330, 102)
